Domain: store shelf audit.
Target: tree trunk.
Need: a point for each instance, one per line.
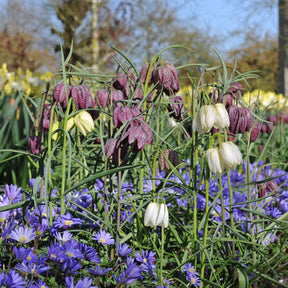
(95, 34)
(283, 46)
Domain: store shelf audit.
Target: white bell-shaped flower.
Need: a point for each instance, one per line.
(84, 122)
(156, 215)
(222, 118)
(230, 154)
(214, 160)
(209, 116)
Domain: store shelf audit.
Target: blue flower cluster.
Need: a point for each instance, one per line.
(43, 244)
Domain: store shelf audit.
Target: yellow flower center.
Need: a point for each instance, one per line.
(69, 254)
(102, 240)
(29, 258)
(52, 255)
(144, 260)
(68, 222)
(22, 239)
(191, 270)
(193, 280)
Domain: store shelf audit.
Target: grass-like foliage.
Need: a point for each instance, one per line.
(103, 148)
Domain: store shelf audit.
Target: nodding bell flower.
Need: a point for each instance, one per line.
(84, 122)
(59, 95)
(172, 156)
(166, 78)
(222, 117)
(156, 214)
(34, 144)
(82, 96)
(214, 160)
(55, 126)
(176, 106)
(210, 116)
(230, 155)
(70, 124)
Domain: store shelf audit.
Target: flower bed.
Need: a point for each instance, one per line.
(111, 202)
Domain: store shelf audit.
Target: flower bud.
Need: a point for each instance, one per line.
(156, 215)
(230, 154)
(84, 122)
(214, 160)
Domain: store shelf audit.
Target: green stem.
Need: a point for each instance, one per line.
(63, 184)
(162, 256)
(206, 223)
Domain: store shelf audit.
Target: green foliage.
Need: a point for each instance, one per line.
(226, 252)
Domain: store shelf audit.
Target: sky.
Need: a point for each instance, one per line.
(222, 17)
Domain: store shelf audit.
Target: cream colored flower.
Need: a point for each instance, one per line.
(209, 116)
(230, 154)
(156, 215)
(214, 160)
(84, 122)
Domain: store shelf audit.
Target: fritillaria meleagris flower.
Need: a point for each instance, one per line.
(102, 98)
(121, 115)
(144, 72)
(273, 119)
(117, 95)
(156, 215)
(82, 97)
(125, 83)
(241, 119)
(173, 158)
(46, 117)
(230, 154)
(166, 78)
(138, 134)
(270, 186)
(120, 81)
(210, 116)
(117, 149)
(34, 144)
(255, 132)
(214, 160)
(59, 95)
(84, 122)
(176, 107)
